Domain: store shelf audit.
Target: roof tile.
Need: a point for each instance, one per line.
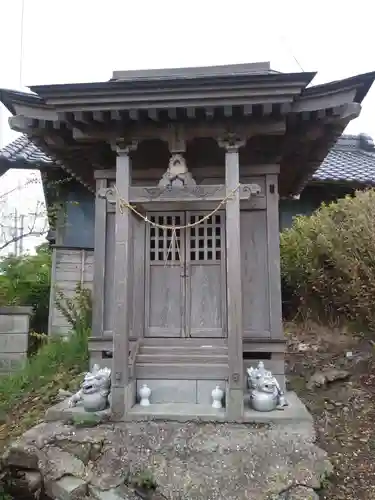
(23, 150)
(351, 160)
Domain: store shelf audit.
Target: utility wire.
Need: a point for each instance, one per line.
(284, 41)
(20, 68)
(21, 44)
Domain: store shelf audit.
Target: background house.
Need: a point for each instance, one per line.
(349, 166)
(79, 203)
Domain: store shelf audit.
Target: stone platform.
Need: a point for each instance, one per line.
(191, 461)
(62, 411)
(186, 412)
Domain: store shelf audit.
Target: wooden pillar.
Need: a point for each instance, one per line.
(99, 260)
(273, 249)
(235, 393)
(120, 366)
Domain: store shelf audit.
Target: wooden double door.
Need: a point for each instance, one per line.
(185, 279)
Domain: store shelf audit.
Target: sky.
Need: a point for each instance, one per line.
(67, 41)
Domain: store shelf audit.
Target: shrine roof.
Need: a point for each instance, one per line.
(173, 78)
(73, 124)
(174, 85)
(261, 68)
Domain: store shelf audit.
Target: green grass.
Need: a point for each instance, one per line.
(26, 394)
(53, 366)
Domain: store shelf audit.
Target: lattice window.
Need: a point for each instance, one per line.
(164, 248)
(205, 238)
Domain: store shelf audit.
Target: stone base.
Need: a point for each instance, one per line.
(62, 411)
(182, 412)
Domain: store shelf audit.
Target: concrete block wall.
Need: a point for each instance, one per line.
(14, 334)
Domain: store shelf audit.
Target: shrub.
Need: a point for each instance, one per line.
(328, 260)
(76, 310)
(55, 356)
(25, 281)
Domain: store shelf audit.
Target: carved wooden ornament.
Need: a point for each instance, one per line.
(140, 194)
(177, 174)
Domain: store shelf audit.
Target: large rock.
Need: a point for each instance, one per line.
(60, 463)
(190, 461)
(66, 488)
(302, 493)
(324, 377)
(22, 485)
(22, 456)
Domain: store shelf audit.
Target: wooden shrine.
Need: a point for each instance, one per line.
(186, 167)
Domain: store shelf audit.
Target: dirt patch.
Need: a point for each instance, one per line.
(344, 410)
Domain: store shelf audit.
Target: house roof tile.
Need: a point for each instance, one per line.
(351, 160)
(22, 150)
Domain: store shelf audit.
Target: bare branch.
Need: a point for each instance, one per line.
(32, 180)
(25, 234)
(16, 225)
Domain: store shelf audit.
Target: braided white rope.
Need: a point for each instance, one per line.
(123, 204)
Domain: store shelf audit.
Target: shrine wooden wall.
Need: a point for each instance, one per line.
(259, 253)
(260, 266)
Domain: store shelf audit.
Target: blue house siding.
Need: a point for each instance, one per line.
(311, 199)
(289, 209)
(79, 224)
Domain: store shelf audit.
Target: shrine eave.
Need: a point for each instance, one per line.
(181, 92)
(229, 96)
(361, 83)
(73, 123)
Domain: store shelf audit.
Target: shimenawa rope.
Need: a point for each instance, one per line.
(125, 204)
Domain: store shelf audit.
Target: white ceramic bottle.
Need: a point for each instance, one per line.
(217, 397)
(144, 394)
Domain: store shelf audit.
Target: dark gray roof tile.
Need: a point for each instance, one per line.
(22, 150)
(351, 160)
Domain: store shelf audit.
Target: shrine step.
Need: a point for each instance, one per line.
(181, 357)
(184, 342)
(185, 370)
(216, 352)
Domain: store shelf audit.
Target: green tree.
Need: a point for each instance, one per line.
(25, 281)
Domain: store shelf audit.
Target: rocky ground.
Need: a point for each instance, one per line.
(191, 461)
(344, 408)
(332, 371)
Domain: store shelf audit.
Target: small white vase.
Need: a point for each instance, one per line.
(217, 397)
(144, 394)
